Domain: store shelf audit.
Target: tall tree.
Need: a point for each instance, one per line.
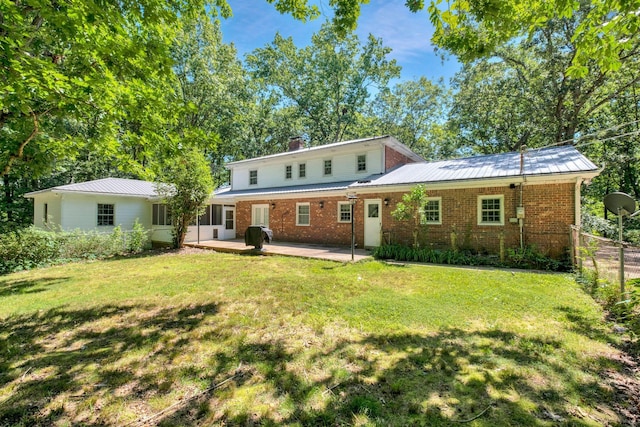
(415, 112)
(524, 95)
(327, 83)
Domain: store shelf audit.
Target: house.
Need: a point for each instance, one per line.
(106, 203)
(312, 194)
(481, 203)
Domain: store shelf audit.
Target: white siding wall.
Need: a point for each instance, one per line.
(272, 174)
(53, 210)
(80, 211)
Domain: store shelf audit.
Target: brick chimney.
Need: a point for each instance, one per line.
(296, 143)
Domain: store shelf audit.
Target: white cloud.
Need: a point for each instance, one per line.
(407, 33)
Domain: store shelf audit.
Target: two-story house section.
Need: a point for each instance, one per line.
(301, 194)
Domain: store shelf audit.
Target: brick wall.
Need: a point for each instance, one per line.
(392, 159)
(549, 211)
(324, 228)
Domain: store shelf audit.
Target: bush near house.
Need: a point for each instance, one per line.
(528, 258)
(31, 247)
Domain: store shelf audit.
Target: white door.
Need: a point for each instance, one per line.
(229, 215)
(260, 215)
(372, 222)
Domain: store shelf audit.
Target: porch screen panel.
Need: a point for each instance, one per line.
(216, 214)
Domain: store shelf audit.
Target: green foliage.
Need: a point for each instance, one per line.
(325, 86)
(526, 259)
(137, 238)
(531, 258)
(607, 28)
(411, 209)
(107, 65)
(414, 112)
(32, 247)
(186, 185)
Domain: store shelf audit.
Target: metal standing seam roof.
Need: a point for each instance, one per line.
(556, 160)
(112, 186)
(331, 186)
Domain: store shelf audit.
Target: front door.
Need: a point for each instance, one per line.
(260, 215)
(372, 222)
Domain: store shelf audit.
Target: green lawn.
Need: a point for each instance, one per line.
(208, 338)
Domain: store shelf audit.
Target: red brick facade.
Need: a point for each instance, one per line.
(549, 211)
(392, 159)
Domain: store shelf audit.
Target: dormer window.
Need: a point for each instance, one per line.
(253, 177)
(361, 163)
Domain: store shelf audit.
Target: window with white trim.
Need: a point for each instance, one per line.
(432, 211)
(106, 214)
(328, 167)
(344, 212)
(491, 210)
(302, 170)
(253, 177)
(288, 172)
(303, 214)
(161, 215)
(361, 163)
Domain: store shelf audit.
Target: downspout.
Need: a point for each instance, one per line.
(576, 203)
(520, 208)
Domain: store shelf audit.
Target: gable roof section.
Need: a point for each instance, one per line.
(384, 140)
(106, 186)
(548, 161)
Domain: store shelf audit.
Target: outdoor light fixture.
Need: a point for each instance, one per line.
(386, 201)
(273, 205)
(321, 204)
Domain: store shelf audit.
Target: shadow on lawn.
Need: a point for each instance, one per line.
(15, 287)
(404, 379)
(61, 360)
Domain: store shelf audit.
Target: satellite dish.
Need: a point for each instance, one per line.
(620, 203)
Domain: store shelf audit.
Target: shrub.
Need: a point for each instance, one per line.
(27, 248)
(31, 247)
(528, 258)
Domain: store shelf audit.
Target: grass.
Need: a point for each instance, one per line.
(209, 338)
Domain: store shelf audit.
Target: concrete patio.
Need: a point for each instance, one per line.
(304, 250)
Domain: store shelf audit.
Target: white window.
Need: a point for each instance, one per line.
(253, 177)
(361, 163)
(288, 172)
(303, 214)
(161, 215)
(105, 214)
(327, 167)
(432, 211)
(491, 210)
(260, 215)
(302, 170)
(344, 212)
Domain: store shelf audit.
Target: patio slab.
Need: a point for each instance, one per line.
(303, 250)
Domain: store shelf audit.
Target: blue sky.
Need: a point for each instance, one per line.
(255, 22)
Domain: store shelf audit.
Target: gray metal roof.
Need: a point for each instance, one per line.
(330, 186)
(113, 186)
(556, 160)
